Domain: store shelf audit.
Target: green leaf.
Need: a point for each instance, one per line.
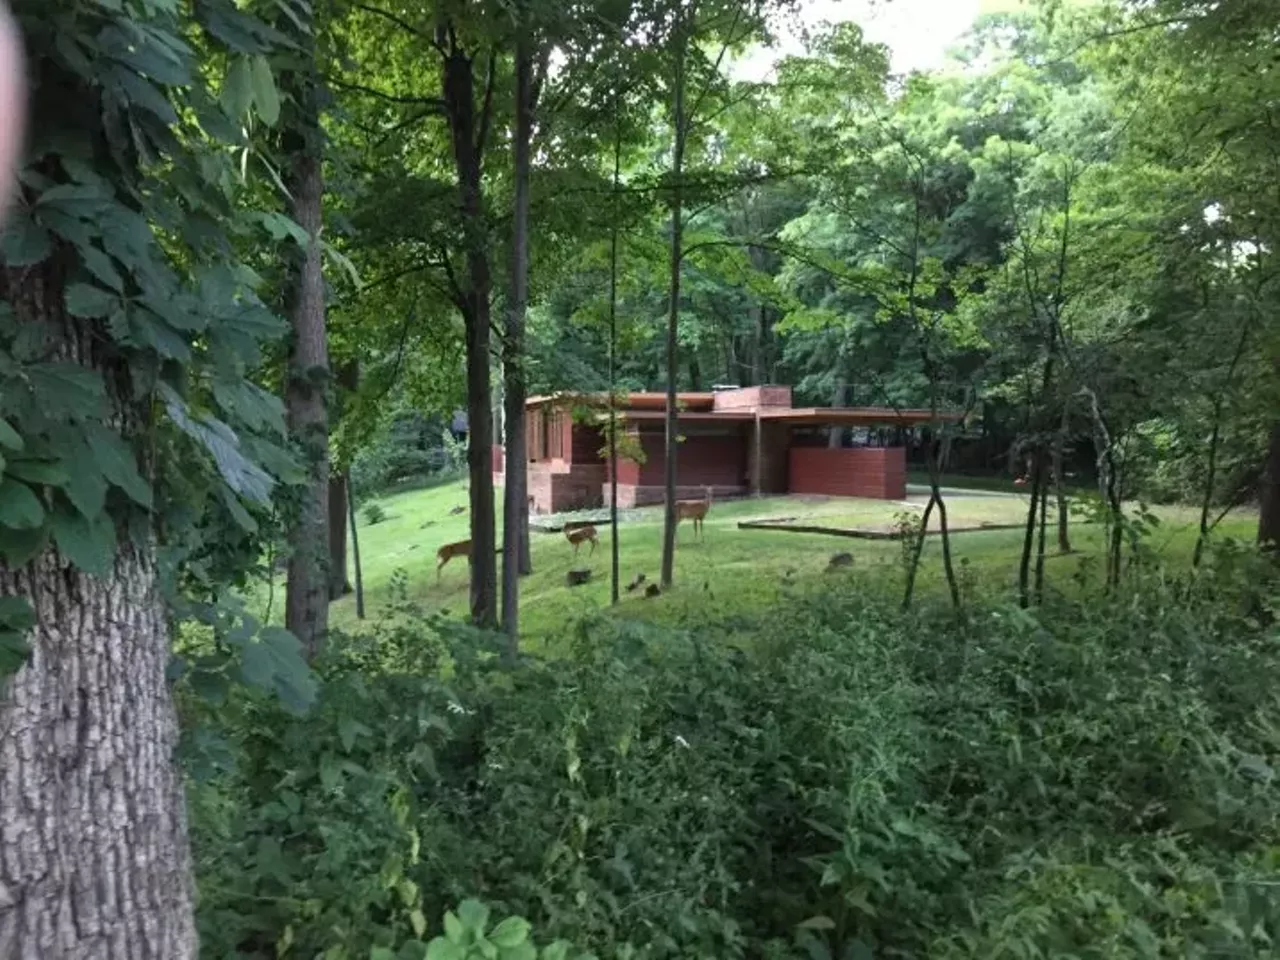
(237, 88)
(19, 546)
(265, 94)
(87, 487)
(511, 932)
(817, 923)
(23, 242)
(115, 459)
(84, 300)
(20, 508)
(89, 544)
(521, 951)
(102, 267)
(42, 472)
(381, 953)
(418, 921)
(9, 437)
(453, 928)
(442, 949)
(274, 662)
(16, 613)
(66, 390)
(474, 915)
(556, 951)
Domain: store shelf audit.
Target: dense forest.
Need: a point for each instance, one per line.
(261, 257)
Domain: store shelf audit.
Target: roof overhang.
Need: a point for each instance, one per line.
(685, 416)
(858, 417)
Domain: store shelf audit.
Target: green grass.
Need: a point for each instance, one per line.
(728, 576)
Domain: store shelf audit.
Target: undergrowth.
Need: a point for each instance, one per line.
(1090, 779)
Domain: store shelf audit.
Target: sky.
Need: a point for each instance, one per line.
(917, 32)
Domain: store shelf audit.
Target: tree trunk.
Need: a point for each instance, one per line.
(835, 433)
(355, 552)
(307, 594)
(1028, 540)
(1060, 489)
(913, 562)
(339, 582)
(613, 361)
(515, 534)
(467, 135)
(673, 310)
(1269, 494)
(94, 860)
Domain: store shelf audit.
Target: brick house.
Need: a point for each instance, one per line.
(738, 441)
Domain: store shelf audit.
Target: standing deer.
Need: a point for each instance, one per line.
(579, 535)
(450, 550)
(695, 510)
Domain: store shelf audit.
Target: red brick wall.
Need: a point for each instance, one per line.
(586, 443)
(877, 472)
(752, 398)
(499, 456)
(702, 460)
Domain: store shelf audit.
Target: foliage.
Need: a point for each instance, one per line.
(852, 781)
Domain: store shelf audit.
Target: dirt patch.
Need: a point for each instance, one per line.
(871, 531)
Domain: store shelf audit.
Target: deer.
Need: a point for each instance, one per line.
(579, 535)
(695, 510)
(450, 550)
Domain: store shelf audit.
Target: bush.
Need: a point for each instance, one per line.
(374, 513)
(1093, 779)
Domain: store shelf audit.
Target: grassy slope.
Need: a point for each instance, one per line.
(731, 574)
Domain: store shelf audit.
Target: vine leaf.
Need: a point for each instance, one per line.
(85, 300)
(116, 460)
(87, 543)
(9, 437)
(265, 94)
(16, 618)
(20, 508)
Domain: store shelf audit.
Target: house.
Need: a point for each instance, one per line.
(736, 440)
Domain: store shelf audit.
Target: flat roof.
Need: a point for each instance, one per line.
(629, 401)
(856, 416)
(686, 416)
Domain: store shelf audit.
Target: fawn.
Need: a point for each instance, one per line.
(450, 550)
(695, 510)
(578, 535)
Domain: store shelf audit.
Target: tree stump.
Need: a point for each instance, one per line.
(576, 578)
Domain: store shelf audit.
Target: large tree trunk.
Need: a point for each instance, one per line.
(835, 434)
(673, 309)
(515, 516)
(1269, 494)
(94, 860)
(307, 599)
(459, 94)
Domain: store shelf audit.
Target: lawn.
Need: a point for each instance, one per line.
(719, 580)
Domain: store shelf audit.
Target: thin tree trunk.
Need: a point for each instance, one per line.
(355, 552)
(339, 583)
(1028, 540)
(1044, 511)
(673, 311)
(614, 575)
(1060, 489)
(467, 135)
(348, 381)
(515, 501)
(913, 566)
(307, 593)
(935, 490)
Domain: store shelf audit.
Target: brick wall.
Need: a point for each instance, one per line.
(499, 458)
(752, 398)
(717, 460)
(877, 472)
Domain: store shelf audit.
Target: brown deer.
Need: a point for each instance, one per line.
(695, 510)
(450, 550)
(579, 535)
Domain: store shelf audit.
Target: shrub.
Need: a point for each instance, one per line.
(1091, 779)
(374, 513)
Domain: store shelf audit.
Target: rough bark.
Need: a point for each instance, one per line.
(93, 836)
(1269, 493)
(467, 135)
(307, 595)
(515, 533)
(673, 309)
(94, 859)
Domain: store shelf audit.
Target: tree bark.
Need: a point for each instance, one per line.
(467, 135)
(355, 552)
(339, 582)
(307, 594)
(515, 533)
(673, 310)
(835, 434)
(94, 860)
(1060, 489)
(1269, 494)
(614, 564)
